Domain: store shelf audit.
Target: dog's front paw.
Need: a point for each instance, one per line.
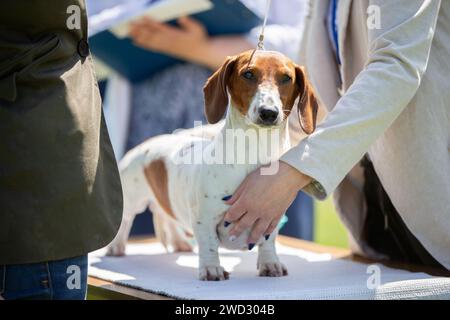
(272, 269)
(212, 273)
(116, 249)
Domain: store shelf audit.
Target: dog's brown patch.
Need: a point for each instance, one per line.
(156, 174)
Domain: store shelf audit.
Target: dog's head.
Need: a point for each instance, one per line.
(263, 88)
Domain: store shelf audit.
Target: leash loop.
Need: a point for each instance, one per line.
(260, 45)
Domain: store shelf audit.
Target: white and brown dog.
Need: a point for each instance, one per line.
(257, 92)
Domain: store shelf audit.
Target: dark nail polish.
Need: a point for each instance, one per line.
(250, 246)
(226, 198)
(226, 224)
(267, 236)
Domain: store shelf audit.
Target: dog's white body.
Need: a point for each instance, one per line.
(195, 193)
(190, 203)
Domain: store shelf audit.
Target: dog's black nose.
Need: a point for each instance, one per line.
(268, 116)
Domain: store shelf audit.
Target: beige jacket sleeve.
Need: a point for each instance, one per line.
(397, 60)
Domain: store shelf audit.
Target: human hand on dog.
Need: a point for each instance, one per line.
(261, 200)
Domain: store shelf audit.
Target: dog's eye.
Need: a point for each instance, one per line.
(248, 75)
(286, 78)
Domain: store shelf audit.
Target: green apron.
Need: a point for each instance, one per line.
(60, 192)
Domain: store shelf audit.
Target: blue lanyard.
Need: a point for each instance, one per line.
(333, 28)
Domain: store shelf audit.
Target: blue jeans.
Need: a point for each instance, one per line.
(60, 280)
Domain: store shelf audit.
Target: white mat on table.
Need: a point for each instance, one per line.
(311, 276)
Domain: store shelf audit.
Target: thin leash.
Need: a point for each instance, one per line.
(261, 35)
(260, 45)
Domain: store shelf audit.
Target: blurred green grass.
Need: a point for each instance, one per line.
(328, 229)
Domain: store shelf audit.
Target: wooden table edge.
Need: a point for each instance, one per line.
(110, 290)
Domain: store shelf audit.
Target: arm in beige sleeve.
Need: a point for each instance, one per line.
(398, 58)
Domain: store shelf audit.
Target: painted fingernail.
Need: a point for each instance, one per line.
(267, 236)
(250, 246)
(226, 223)
(232, 238)
(226, 198)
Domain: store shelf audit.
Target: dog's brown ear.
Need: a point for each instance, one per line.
(308, 105)
(215, 91)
